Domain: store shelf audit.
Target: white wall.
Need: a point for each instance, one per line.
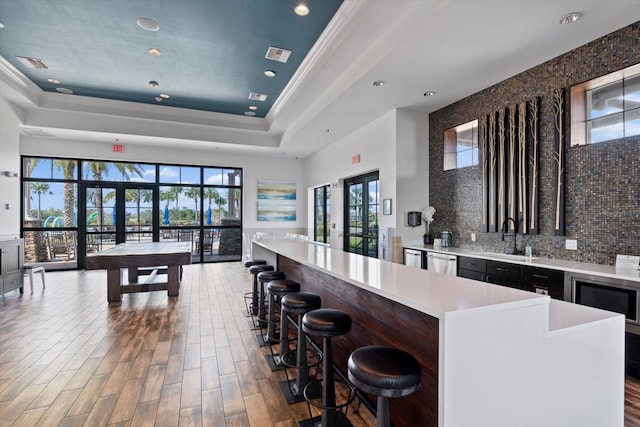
(254, 168)
(375, 143)
(10, 118)
(395, 144)
(412, 180)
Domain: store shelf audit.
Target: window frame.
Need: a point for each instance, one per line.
(451, 146)
(325, 206)
(578, 94)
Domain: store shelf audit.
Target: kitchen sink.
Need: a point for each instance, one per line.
(507, 256)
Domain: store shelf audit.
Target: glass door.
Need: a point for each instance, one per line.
(116, 213)
(361, 215)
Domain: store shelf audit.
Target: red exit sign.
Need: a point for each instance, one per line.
(117, 148)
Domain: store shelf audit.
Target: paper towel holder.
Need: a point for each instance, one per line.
(414, 219)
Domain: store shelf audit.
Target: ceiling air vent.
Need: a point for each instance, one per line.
(32, 62)
(278, 54)
(257, 96)
(35, 132)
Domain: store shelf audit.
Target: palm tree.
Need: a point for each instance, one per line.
(219, 202)
(171, 195)
(68, 172)
(211, 194)
(40, 188)
(98, 169)
(194, 193)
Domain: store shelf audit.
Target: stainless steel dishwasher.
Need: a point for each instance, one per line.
(442, 263)
(413, 258)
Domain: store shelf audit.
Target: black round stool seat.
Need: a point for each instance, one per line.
(280, 286)
(259, 268)
(301, 302)
(384, 371)
(326, 322)
(252, 262)
(269, 275)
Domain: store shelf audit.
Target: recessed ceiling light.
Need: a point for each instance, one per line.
(249, 113)
(1, 25)
(270, 73)
(148, 24)
(54, 81)
(154, 51)
(429, 93)
(64, 90)
(164, 96)
(570, 17)
(301, 9)
(252, 107)
(378, 83)
(158, 99)
(153, 83)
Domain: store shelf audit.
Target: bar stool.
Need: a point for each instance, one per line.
(248, 296)
(385, 372)
(255, 270)
(265, 277)
(299, 303)
(253, 262)
(278, 289)
(327, 323)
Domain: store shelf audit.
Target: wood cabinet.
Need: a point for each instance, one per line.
(496, 272)
(632, 349)
(472, 268)
(503, 273)
(543, 281)
(529, 278)
(11, 265)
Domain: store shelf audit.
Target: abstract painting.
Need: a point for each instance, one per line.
(276, 200)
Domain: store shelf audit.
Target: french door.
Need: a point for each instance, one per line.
(116, 213)
(361, 214)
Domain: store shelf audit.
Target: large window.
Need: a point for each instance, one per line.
(75, 207)
(322, 213)
(606, 108)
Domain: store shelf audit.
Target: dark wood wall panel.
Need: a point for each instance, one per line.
(377, 320)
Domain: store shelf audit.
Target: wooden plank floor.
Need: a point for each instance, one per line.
(68, 359)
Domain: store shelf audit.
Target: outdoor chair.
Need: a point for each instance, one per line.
(61, 244)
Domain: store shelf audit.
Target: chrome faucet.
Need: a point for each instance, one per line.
(505, 224)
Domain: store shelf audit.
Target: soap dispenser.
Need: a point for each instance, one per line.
(528, 249)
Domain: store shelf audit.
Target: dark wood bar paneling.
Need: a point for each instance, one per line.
(378, 320)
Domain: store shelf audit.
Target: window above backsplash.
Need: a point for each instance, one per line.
(461, 146)
(606, 108)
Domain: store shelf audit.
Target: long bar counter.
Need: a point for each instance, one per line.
(491, 355)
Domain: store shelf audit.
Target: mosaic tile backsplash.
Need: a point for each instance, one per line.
(602, 180)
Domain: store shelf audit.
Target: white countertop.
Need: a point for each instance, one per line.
(432, 293)
(554, 264)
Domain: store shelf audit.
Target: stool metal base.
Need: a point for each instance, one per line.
(288, 388)
(336, 415)
(341, 420)
(272, 363)
(263, 340)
